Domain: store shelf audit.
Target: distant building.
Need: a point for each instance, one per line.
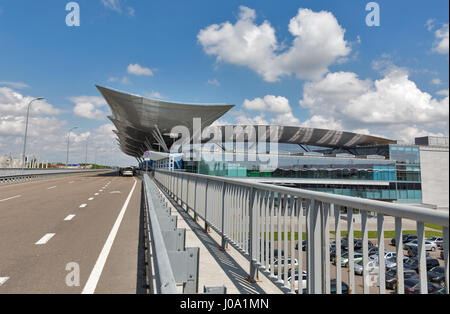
(434, 159)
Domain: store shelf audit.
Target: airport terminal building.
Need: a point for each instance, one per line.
(330, 161)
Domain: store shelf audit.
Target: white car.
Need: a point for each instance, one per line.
(387, 255)
(127, 172)
(296, 287)
(429, 246)
(372, 267)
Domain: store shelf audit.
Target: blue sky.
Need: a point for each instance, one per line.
(41, 56)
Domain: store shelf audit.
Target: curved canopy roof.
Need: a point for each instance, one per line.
(145, 124)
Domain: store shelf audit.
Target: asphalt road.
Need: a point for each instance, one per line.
(79, 234)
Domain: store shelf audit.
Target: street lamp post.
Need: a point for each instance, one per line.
(26, 130)
(87, 141)
(68, 139)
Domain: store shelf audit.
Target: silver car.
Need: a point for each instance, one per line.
(429, 246)
(392, 262)
(372, 266)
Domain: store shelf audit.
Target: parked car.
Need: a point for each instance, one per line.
(296, 276)
(345, 289)
(413, 263)
(391, 277)
(359, 244)
(412, 286)
(344, 259)
(405, 238)
(303, 245)
(437, 240)
(429, 246)
(282, 264)
(372, 267)
(436, 275)
(387, 254)
(392, 262)
(413, 251)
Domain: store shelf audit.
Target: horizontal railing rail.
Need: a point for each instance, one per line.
(267, 222)
(11, 176)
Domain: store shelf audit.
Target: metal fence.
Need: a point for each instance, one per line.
(266, 222)
(173, 262)
(12, 176)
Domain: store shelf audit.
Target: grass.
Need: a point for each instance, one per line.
(436, 227)
(358, 234)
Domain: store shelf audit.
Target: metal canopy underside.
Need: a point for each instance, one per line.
(145, 124)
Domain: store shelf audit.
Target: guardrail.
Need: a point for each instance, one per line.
(250, 216)
(11, 176)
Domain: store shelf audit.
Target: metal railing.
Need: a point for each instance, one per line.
(174, 263)
(11, 176)
(266, 222)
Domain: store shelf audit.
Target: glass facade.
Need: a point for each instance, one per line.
(392, 175)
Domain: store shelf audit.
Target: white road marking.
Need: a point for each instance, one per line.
(52, 187)
(10, 198)
(3, 280)
(114, 192)
(70, 217)
(100, 190)
(83, 205)
(90, 199)
(96, 272)
(96, 194)
(71, 182)
(45, 239)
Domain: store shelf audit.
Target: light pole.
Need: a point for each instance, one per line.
(26, 130)
(87, 141)
(68, 138)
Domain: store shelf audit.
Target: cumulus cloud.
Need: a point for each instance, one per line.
(15, 104)
(442, 40)
(16, 85)
(318, 43)
(389, 106)
(139, 70)
(118, 6)
(88, 107)
(273, 104)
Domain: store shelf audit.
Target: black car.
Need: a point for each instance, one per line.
(371, 250)
(345, 289)
(405, 238)
(359, 244)
(391, 277)
(303, 245)
(412, 286)
(413, 263)
(436, 275)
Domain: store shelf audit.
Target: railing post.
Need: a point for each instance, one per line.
(224, 242)
(206, 207)
(253, 269)
(315, 255)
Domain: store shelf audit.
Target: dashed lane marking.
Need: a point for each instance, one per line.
(10, 198)
(69, 218)
(45, 239)
(83, 205)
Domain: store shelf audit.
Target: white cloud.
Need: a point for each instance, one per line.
(436, 81)
(16, 85)
(87, 107)
(318, 43)
(15, 104)
(154, 94)
(388, 106)
(139, 70)
(214, 82)
(443, 92)
(114, 5)
(275, 104)
(113, 79)
(442, 40)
